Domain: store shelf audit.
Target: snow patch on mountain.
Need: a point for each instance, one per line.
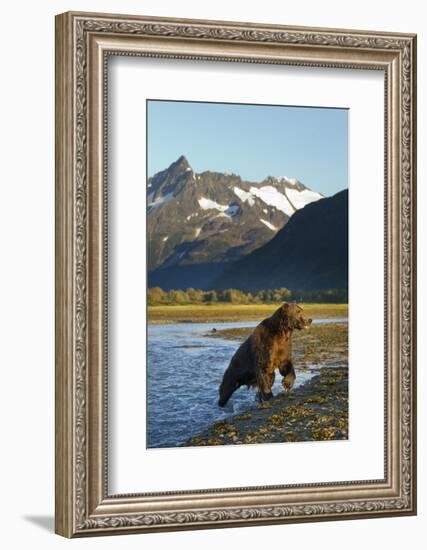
(229, 210)
(287, 202)
(159, 201)
(271, 196)
(301, 198)
(269, 225)
(208, 204)
(244, 196)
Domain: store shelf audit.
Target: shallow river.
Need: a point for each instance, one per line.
(185, 368)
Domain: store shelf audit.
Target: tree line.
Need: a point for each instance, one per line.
(157, 296)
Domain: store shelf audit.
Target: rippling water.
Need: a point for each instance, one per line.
(185, 368)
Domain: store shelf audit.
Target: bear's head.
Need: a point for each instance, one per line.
(288, 317)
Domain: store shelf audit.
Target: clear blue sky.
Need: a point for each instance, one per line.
(254, 141)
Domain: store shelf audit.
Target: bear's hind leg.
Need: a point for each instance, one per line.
(228, 386)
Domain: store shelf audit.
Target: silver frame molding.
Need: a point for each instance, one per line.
(83, 43)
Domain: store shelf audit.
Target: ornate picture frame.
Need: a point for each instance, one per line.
(84, 42)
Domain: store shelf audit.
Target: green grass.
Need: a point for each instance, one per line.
(224, 312)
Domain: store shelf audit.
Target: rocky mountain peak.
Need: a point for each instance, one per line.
(168, 183)
(180, 165)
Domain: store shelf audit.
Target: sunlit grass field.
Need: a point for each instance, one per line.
(224, 312)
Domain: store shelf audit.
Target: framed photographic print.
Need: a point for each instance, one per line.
(235, 274)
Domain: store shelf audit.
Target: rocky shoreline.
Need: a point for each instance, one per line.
(314, 411)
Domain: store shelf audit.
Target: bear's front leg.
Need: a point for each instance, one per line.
(288, 372)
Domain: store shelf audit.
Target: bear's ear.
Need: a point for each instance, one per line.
(284, 308)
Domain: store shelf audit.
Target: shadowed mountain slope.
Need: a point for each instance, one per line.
(310, 252)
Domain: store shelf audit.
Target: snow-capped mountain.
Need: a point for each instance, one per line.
(209, 219)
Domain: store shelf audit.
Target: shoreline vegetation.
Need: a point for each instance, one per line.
(315, 411)
(226, 312)
(156, 296)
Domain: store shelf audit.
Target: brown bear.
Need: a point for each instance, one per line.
(267, 349)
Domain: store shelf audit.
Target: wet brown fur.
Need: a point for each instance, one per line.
(268, 348)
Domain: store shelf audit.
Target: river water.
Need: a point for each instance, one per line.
(184, 370)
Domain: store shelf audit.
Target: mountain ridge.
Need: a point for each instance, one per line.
(213, 218)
